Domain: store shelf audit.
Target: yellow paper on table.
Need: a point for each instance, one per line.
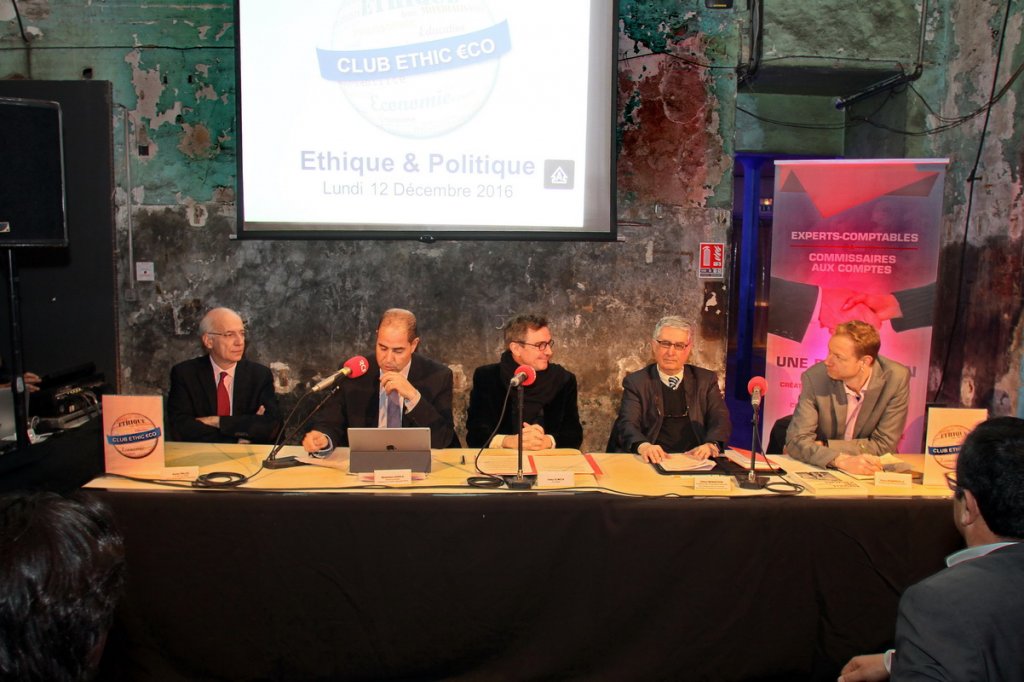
(133, 434)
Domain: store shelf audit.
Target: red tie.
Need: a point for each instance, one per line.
(223, 399)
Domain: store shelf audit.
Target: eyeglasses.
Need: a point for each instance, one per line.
(952, 483)
(231, 335)
(678, 347)
(542, 346)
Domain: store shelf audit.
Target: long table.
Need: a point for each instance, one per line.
(266, 583)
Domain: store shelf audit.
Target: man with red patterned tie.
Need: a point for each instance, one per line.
(220, 397)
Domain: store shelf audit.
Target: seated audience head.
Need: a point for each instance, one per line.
(852, 350)
(529, 340)
(990, 482)
(223, 335)
(397, 339)
(671, 344)
(62, 571)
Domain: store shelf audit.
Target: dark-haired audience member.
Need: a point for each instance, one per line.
(62, 570)
(671, 406)
(965, 622)
(852, 406)
(551, 416)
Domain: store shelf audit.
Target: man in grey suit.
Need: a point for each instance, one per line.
(852, 406)
(965, 622)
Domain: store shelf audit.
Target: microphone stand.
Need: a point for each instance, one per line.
(519, 481)
(272, 461)
(753, 481)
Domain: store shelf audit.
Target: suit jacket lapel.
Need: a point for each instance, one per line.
(415, 371)
(690, 391)
(372, 396)
(839, 405)
(878, 378)
(208, 385)
(240, 389)
(656, 401)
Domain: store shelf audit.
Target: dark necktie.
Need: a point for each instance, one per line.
(673, 382)
(394, 410)
(223, 399)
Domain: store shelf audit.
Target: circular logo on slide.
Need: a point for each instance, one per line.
(945, 445)
(412, 74)
(134, 435)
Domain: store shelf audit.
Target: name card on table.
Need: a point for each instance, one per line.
(718, 484)
(555, 479)
(890, 479)
(392, 476)
(947, 428)
(133, 435)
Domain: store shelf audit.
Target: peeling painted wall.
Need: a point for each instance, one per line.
(976, 347)
(312, 304)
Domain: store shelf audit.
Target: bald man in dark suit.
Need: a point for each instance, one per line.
(252, 414)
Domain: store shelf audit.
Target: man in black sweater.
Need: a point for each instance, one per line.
(551, 417)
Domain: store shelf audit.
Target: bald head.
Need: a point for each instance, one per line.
(401, 318)
(223, 335)
(397, 339)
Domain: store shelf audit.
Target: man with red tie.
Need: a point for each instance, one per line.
(220, 397)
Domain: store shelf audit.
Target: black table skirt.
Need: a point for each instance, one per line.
(231, 585)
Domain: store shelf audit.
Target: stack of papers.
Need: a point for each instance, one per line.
(761, 464)
(827, 482)
(681, 462)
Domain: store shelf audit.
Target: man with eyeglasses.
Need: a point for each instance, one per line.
(551, 416)
(852, 406)
(671, 406)
(221, 397)
(965, 622)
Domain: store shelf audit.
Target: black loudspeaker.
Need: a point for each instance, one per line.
(32, 209)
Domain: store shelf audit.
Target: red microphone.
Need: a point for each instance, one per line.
(757, 387)
(354, 367)
(524, 376)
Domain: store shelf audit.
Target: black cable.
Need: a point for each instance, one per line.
(783, 487)
(487, 480)
(21, 25)
(221, 479)
(188, 485)
(24, 38)
(948, 123)
(747, 71)
(972, 178)
(834, 58)
(283, 439)
(685, 60)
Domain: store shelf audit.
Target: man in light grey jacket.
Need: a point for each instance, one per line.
(852, 406)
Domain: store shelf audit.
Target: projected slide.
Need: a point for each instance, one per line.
(426, 116)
